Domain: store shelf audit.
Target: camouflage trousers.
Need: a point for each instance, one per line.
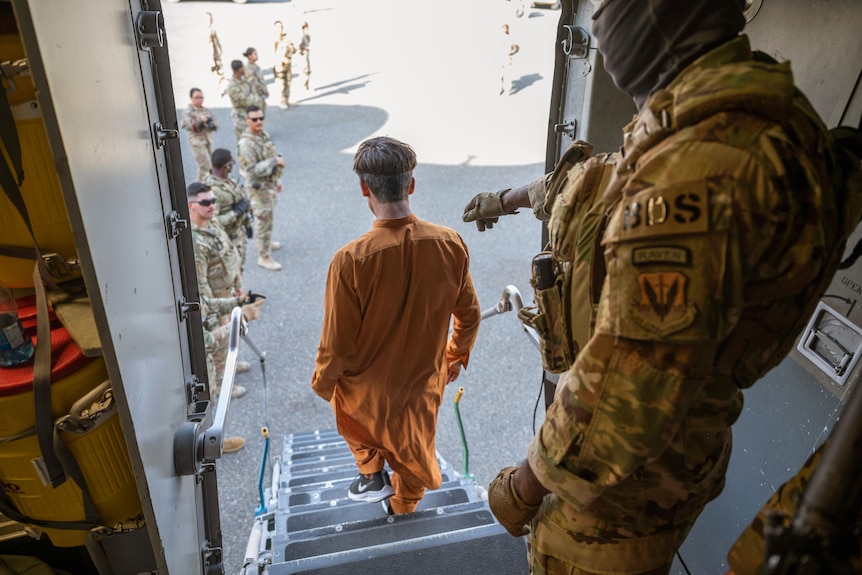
(219, 360)
(237, 116)
(216, 360)
(202, 149)
(567, 542)
(239, 239)
(263, 202)
(307, 71)
(285, 77)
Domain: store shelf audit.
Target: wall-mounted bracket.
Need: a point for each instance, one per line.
(150, 30)
(577, 42)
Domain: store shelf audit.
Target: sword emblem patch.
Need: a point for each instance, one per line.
(663, 308)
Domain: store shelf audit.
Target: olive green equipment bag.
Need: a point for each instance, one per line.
(568, 275)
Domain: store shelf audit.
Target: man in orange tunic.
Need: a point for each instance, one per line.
(384, 358)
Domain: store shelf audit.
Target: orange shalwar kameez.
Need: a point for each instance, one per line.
(383, 354)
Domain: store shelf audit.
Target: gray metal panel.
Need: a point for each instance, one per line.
(592, 99)
(787, 415)
(822, 42)
(102, 97)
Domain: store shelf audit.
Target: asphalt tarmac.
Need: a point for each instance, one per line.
(426, 74)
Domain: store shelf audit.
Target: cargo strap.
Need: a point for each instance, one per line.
(56, 457)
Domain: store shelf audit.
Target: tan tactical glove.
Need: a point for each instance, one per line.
(507, 507)
(251, 311)
(251, 306)
(485, 209)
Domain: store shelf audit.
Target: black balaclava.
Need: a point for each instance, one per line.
(646, 43)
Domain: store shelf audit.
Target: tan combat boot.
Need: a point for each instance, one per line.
(237, 391)
(268, 263)
(275, 246)
(232, 444)
(243, 366)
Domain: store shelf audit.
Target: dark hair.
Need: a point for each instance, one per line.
(193, 90)
(249, 52)
(220, 157)
(196, 188)
(236, 65)
(386, 166)
(252, 108)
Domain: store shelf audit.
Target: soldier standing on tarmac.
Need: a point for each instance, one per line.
(254, 76)
(220, 289)
(200, 123)
(261, 165)
(234, 205)
(242, 95)
(215, 44)
(284, 51)
(305, 50)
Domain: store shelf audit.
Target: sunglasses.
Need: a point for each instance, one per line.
(206, 203)
(258, 119)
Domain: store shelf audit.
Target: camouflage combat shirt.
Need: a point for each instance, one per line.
(242, 94)
(218, 268)
(722, 241)
(258, 160)
(199, 130)
(228, 193)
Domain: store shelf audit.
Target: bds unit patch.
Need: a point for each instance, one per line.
(663, 308)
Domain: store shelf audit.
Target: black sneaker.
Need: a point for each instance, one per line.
(387, 507)
(371, 490)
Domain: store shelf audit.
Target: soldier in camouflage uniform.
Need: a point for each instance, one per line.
(234, 205)
(305, 50)
(254, 76)
(723, 232)
(218, 268)
(215, 44)
(200, 123)
(284, 51)
(219, 286)
(242, 95)
(261, 165)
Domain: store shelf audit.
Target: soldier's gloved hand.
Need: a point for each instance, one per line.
(485, 209)
(251, 311)
(509, 509)
(241, 207)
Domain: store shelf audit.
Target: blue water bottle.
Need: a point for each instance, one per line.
(16, 347)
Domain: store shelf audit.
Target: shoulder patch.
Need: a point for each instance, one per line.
(663, 307)
(651, 213)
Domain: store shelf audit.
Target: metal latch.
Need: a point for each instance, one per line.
(832, 343)
(176, 224)
(568, 128)
(162, 134)
(186, 306)
(577, 42)
(11, 69)
(150, 30)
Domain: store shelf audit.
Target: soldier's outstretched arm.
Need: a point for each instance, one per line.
(487, 207)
